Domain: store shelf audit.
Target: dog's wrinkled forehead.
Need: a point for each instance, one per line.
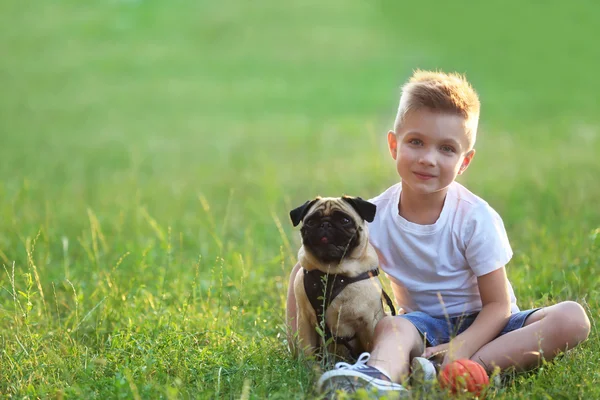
(326, 206)
(355, 207)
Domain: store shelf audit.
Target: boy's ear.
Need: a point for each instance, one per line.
(393, 144)
(298, 214)
(466, 161)
(365, 209)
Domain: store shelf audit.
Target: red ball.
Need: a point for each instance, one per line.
(464, 375)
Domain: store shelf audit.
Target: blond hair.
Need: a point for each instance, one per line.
(440, 92)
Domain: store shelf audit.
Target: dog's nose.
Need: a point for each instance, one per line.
(325, 224)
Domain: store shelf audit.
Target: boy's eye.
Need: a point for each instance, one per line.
(447, 149)
(416, 142)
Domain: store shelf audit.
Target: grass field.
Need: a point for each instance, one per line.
(150, 152)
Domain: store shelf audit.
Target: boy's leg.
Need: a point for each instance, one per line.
(291, 302)
(546, 333)
(292, 324)
(396, 342)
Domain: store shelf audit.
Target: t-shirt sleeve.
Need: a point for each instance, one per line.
(487, 245)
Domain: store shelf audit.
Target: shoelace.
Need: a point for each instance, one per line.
(361, 363)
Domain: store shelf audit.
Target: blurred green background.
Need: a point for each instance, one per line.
(150, 152)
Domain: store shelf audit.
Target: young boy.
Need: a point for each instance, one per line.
(445, 250)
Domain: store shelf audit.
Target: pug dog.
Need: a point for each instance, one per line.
(338, 295)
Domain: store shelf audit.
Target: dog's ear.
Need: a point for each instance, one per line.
(298, 214)
(365, 209)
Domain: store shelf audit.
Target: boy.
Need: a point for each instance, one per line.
(445, 250)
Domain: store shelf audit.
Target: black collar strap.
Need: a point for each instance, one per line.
(322, 288)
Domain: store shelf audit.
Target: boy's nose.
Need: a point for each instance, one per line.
(427, 159)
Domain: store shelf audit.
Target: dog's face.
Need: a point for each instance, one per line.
(333, 227)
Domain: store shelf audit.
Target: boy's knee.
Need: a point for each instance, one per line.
(394, 325)
(572, 322)
(401, 332)
(384, 325)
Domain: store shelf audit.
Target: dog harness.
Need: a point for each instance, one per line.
(321, 288)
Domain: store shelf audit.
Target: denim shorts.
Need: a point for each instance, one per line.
(440, 330)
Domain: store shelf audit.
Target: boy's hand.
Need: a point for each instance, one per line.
(437, 352)
(450, 351)
(494, 314)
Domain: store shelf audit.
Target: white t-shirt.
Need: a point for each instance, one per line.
(434, 268)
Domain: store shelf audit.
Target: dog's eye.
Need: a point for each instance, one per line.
(345, 220)
(311, 223)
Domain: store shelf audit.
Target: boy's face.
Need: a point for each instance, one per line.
(430, 149)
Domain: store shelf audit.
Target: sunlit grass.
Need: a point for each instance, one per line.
(150, 153)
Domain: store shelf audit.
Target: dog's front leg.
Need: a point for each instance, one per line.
(366, 334)
(307, 334)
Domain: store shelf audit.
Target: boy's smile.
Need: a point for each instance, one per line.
(431, 149)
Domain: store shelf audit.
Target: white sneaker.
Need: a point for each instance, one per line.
(351, 377)
(422, 370)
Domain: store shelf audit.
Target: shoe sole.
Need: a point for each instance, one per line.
(351, 381)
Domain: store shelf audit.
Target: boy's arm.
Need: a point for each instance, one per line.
(494, 315)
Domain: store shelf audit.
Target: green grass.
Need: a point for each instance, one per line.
(150, 152)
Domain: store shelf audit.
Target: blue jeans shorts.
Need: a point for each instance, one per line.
(440, 330)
